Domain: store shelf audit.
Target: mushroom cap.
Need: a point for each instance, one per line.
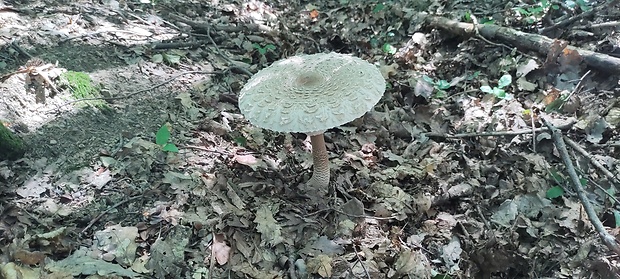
(310, 93)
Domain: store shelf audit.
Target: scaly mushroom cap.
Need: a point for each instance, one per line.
(309, 93)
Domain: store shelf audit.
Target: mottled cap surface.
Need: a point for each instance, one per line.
(309, 93)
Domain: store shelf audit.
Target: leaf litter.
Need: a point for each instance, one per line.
(414, 194)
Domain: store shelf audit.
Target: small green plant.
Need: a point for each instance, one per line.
(554, 192)
(262, 50)
(468, 17)
(473, 76)
(440, 86)
(498, 90)
(379, 7)
(388, 48)
(162, 139)
(536, 12)
(560, 179)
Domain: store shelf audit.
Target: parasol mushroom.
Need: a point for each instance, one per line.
(310, 94)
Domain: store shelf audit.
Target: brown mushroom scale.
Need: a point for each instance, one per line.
(310, 94)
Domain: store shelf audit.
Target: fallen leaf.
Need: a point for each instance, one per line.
(220, 249)
(414, 264)
(249, 160)
(321, 265)
(271, 231)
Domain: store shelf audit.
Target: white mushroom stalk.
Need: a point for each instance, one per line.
(310, 93)
(320, 160)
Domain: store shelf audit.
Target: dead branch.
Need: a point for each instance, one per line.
(521, 40)
(592, 160)
(570, 20)
(205, 26)
(608, 239)
(110, 209)
(497, 133)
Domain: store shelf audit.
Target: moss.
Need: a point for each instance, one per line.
(80, 84)
(11, 146)
(82, 87)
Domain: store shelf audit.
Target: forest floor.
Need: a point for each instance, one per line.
(492, 154)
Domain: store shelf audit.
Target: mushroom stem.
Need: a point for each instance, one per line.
(320, 177)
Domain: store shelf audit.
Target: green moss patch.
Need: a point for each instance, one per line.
(11, 146)
(81, 86)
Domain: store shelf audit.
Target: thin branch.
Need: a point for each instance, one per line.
(217, 49)
(607, 239)
(96, 219)
(570, 20)
(92, 34)
(500, 133)
(594, 161)
(359, 260)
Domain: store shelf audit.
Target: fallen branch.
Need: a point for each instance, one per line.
(570, 20)
(592, 160)
(205, 26)
(498, 133)
(608, 239)
(522, 40)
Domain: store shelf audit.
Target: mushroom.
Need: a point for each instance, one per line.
(310, 94)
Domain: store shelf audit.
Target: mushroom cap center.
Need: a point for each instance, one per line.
(309, 79)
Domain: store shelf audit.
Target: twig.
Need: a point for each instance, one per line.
(594, 161)
(359, 260)
(217, 49)
(350, 215)
(607, 239)
(577, 87)
(500, 133)
(570, 20)
(477, 32)
(598, 25)
(204, 149)
(212, 259)
(606, 192)
(484, 219)
(533, 130)
(96, 219)
(208, 27)
(100, 32)
(20, 49)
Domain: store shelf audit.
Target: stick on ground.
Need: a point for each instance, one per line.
(608, 239)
